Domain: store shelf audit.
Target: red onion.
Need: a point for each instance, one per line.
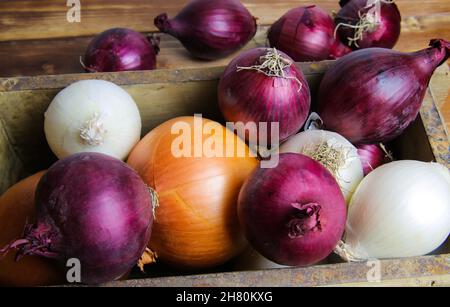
(368, 23)
(372, 95)
(293, 214)
(372, 156)
(210, 29)
(121, 49)
(264, 85)
(92, 207)
(306, 34)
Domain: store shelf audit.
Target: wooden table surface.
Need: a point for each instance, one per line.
(37, 39)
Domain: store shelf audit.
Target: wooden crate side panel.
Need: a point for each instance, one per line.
(425, 271)
(10, 165)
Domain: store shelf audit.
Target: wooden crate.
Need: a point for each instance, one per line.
(164, 94)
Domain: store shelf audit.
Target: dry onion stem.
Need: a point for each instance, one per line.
(367, 23)
(330, 157)
(147, 257)
(273, 65)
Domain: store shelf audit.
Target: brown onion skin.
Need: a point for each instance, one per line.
(120, 49)
(267, 206)
(306, 34)
(371, 156)
(196, 225)
(251, 96)
(385, 36)
(210, 30)
(372, 95)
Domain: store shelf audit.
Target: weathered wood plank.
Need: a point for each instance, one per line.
(423, 271)
(26, 19)
(61, 55)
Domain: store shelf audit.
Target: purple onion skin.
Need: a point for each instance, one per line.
(306, 34)
(293, 214)
(95, 208)
(120, 49)
(210, 30)
(371, 95)
(386, 34)
(250, 96)
(371, 156)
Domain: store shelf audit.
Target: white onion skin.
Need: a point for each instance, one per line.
(401, 209)
(349, 175)
(77, 103)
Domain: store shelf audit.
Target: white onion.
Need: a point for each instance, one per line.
(347, 169)
(92, 116)
(401, 209)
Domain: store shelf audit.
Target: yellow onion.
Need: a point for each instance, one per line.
(196, 224)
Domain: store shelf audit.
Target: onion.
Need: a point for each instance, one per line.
(368, 23)
(121, 49)
(334, 152)
(306, 34)
(263, 85)
(210, 29)
(17, 208)
(92, 116)
(251, 260)
(196, 226)
(94, 208)
(372, 156)
(372, 95)
(401, 209)
(286, 217)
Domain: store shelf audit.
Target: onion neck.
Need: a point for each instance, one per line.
(165, 25)
(36, 241)
(304, 219)
(429, 59)
(93, 133)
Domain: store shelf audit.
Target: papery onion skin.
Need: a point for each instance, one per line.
(16, 209)
(286, 217)
(386, 33)
(196, 225)
(94, 208)
(401, 209)
(306, 34)
(210, 30)
(250, 96)
(120, 49)
(372, 156)
(372, 95)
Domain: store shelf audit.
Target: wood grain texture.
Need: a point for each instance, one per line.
(27, 19)
(61, 55)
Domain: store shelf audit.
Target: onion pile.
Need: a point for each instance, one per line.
(264, 85)
(196, 225)
(286, 217)
(16, 209)
(210, 29)
(94, 208)
(120, 49)
(372, 95)
(368, 23)
(306, 34)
